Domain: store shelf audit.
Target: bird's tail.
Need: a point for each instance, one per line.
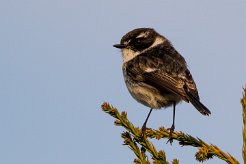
(197, 104)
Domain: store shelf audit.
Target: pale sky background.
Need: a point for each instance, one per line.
(58, 65)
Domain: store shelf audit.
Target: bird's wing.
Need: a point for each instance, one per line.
(164, 68)
(165, 82)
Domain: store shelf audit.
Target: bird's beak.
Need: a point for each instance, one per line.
(119, 46)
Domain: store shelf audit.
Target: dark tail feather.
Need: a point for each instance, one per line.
(197, 104)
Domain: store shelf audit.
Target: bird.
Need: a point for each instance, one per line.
(155, 73)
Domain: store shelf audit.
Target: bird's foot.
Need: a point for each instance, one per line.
(170, 134)
(143, 129)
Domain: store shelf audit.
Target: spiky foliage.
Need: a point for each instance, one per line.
(133, 136)
(134, 139)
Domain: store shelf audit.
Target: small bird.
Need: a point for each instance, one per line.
(155, 74)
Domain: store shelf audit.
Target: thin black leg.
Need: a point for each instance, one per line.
(145, 122)
(173, 125)
(174, 108)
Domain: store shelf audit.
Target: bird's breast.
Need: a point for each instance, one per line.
(148, 95)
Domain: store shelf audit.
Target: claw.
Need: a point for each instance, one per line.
(170, 134)
(143, 129)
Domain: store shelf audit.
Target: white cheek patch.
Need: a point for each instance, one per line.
(128, 54)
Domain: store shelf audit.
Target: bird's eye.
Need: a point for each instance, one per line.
(139, 40)
(140, 43)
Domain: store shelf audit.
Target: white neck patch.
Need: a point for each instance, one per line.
(128, 54)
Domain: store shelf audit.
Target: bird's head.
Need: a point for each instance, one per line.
(138, 40)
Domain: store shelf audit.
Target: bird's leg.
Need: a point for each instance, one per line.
(145, 122)
(173, 125)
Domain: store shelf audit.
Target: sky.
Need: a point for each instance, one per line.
(58, 65)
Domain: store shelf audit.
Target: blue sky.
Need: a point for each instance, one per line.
(57, 66)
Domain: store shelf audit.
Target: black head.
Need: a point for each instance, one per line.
(138, 39)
